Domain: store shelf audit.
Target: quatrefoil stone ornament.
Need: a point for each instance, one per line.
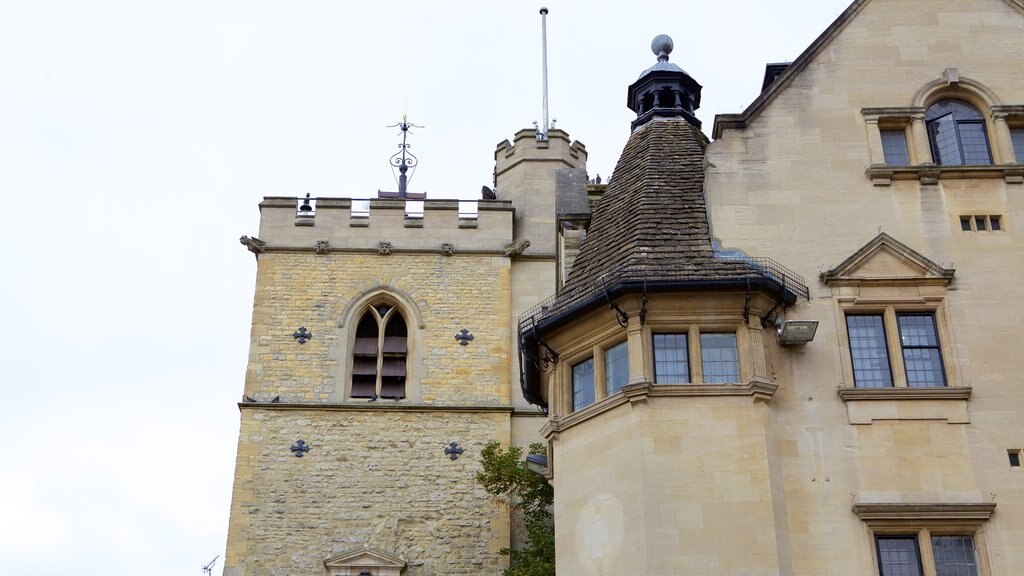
(302, 335)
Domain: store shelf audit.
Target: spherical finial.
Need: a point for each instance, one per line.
(544, 11)
(662, 46)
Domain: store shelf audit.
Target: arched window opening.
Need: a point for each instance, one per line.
(957, 133)
(379, 354)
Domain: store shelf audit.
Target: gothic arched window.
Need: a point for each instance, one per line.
(957, 133)
(379, 353)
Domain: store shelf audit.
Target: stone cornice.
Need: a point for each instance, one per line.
(945, 514)
(945, 393)
(884, 174)
(374, 251)
(380, 406)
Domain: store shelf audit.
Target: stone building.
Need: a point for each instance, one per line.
(787, 351)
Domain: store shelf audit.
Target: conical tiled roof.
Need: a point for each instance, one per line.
(650, 231)
(652, 215)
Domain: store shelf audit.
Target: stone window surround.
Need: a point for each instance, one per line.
(347, 325)
(924, 291)
(999, 119)
(754, 381)
(924, 521)
(895, 349)
(901, 402)
(888, 308)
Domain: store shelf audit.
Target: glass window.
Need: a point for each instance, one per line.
(616, 367)
(921, 355)
(671, 359)
(1017, 136)
(719, 359)
(995, 224)
(894, 146)
(898, 556)
(957, 133)
(583, 384)
(868, 351)
(954, 556)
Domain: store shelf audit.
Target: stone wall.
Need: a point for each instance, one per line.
(444, 295)
(375, 477)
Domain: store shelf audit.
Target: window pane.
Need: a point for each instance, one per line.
(921, 352)
(945, 148)
(974, 143)
(954, 556)
(1017, 136)
(583, 384)
(868, 351)
(616, 367)
(719, 358)
(897, 556)
(894, 146)
(995, 224)
(671, 359)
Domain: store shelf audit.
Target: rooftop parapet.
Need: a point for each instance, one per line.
(340, 224)
(528, 147)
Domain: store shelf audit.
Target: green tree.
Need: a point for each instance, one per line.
(529, 498)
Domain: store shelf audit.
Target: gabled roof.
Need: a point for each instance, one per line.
(724, 121)
(885, 259)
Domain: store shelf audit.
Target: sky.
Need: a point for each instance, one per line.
(137, 138)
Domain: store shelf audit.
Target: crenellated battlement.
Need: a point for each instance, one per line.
(408, 225)
(556, 147)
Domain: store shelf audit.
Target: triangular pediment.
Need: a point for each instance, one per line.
(886, 259)
(375, 561)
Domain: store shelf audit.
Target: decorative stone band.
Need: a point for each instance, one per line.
(643, 392)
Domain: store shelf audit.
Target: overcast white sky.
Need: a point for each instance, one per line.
(138, 137)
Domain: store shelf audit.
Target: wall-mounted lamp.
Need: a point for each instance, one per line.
(797, 331)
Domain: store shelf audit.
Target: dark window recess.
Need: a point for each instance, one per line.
(898, 556)
(921, 355)
(379, 360)
(868, 351)
(957, 134)
(894, 146)
(1014, 458)
(991, 223)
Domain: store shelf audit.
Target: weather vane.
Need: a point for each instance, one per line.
(404, 159)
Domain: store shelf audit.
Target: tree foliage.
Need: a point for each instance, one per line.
(529, 498)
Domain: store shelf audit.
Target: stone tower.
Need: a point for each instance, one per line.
(381, 361)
